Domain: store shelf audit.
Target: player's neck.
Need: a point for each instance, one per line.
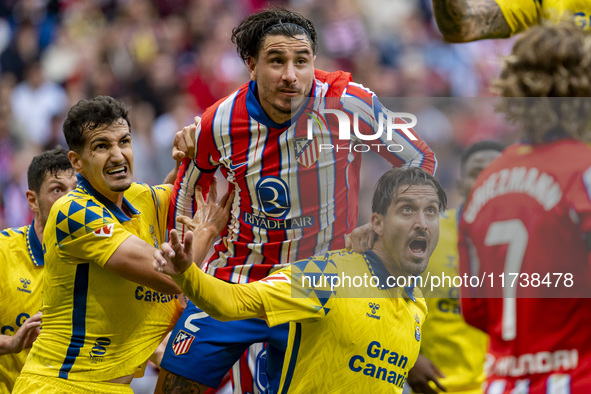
(38, 227)
(125, 209)
(117, 199)
(379, 251)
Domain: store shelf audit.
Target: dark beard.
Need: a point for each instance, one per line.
(121, 188)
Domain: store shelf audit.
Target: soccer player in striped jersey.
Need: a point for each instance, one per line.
(296, 193)
(343, 337)
(50, 176)
(528, 220)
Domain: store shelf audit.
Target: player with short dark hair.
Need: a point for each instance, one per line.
(345, 338)
(50, 176)
(90, 114)
(529, 217)
(250, 33)
(293, 199)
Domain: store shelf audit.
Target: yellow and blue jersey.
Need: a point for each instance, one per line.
(521, 14)
(369, 337)
(98, 326)
(455, 347)
(21, 270)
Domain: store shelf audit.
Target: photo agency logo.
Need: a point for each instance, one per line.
(368, 133)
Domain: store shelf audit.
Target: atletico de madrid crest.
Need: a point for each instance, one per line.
(306, 151)
(182, 343)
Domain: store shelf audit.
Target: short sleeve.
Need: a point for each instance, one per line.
(87, 232)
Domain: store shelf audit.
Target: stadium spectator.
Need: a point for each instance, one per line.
(529, 216)
(293, 201)
(35, 101)
(50, 176)
(87, 48)
(359, 346)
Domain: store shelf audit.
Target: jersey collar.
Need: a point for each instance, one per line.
(34, 246)
(378, 269)
(110, 205)
(256, 112)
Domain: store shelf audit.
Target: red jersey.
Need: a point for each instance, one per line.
(526, 222)
(294, 198)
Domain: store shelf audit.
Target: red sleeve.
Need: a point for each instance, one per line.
(404, 147)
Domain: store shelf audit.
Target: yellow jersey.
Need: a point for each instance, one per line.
(21, 270)
(521, 14)
(96, 325)
(455, 347)
(351, 339)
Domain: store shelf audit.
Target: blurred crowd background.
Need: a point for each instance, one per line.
(168, 60)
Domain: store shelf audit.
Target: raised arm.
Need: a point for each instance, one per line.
(183, 146)
(402, 145)
(196, 169)
(270, 299)
(220, 300)
(470, 20)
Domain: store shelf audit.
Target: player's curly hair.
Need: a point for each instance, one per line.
(90, 114)
(546, 62)
(250, 33)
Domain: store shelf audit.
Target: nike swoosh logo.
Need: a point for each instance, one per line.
(234, 167)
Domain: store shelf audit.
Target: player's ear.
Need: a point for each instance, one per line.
(377, 222)
(252, 64)
(75, 160)
(32, 200)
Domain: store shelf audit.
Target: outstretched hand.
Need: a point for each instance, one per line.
(184, 141)
(210, 215)
(174, 257)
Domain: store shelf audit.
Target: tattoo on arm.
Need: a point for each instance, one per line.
(469, 20)
(174, 384)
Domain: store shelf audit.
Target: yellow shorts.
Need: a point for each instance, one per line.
(31, 384)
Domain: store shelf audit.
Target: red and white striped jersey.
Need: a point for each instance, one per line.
(294, 199)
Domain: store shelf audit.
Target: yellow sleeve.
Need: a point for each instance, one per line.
(287, 299)
(278, 298)
(220, 300)
(520, 14)
(86, 232)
